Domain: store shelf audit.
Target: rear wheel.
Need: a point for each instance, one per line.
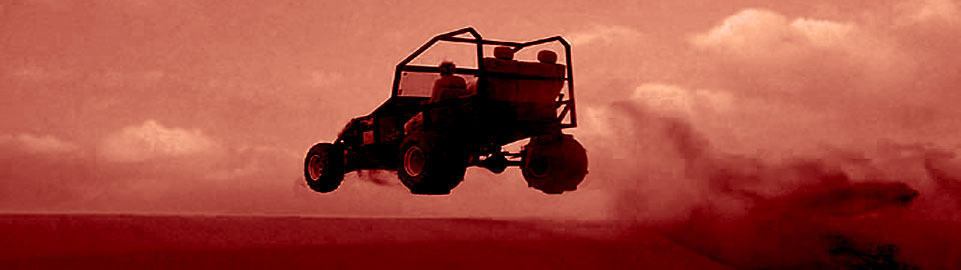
(324, 167)
(554, 163)
(431, 164)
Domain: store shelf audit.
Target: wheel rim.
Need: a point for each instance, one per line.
(315, 167)
(539, 167)
(414, 161)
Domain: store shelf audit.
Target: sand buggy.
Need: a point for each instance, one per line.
(430, 142)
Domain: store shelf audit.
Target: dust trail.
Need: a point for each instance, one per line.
(379, 177)
(840, 209)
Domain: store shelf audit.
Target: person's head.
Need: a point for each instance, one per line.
(447, 68)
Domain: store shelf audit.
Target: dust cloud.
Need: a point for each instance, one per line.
(888, 205)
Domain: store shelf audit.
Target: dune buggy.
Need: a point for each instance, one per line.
(510, 100)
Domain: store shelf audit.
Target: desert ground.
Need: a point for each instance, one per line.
(141, 241)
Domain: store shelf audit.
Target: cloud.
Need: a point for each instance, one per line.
(40, 170)
(148, 167)
(603, 34)
(38, 144)
(747, 30)
(926, 11)
(765, 33)
(153, 140)
(45, 144)
(833, 80)
(245, 162)
(822, 33)
(40, 74)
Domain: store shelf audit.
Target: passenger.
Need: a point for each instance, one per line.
(448, 85)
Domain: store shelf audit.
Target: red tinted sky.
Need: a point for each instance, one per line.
(204, 107)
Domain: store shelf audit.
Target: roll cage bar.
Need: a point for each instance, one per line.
(567, 103)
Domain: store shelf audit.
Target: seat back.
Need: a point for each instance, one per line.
(500, 83)
(539, 82)
(523, 82)
(448, 87)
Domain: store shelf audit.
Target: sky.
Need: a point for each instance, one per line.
(200, 107)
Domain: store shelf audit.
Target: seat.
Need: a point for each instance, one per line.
(539, 82)
(449, 87)
(526, 82)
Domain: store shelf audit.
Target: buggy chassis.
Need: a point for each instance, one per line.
(513, 100)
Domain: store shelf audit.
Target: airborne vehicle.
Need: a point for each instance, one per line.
(430, 142)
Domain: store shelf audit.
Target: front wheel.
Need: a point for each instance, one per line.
(554, 163)
(324, 167)
(430, 164)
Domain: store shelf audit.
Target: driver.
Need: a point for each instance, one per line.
(448, 85)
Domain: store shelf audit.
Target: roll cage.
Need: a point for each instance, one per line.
(564, 103)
